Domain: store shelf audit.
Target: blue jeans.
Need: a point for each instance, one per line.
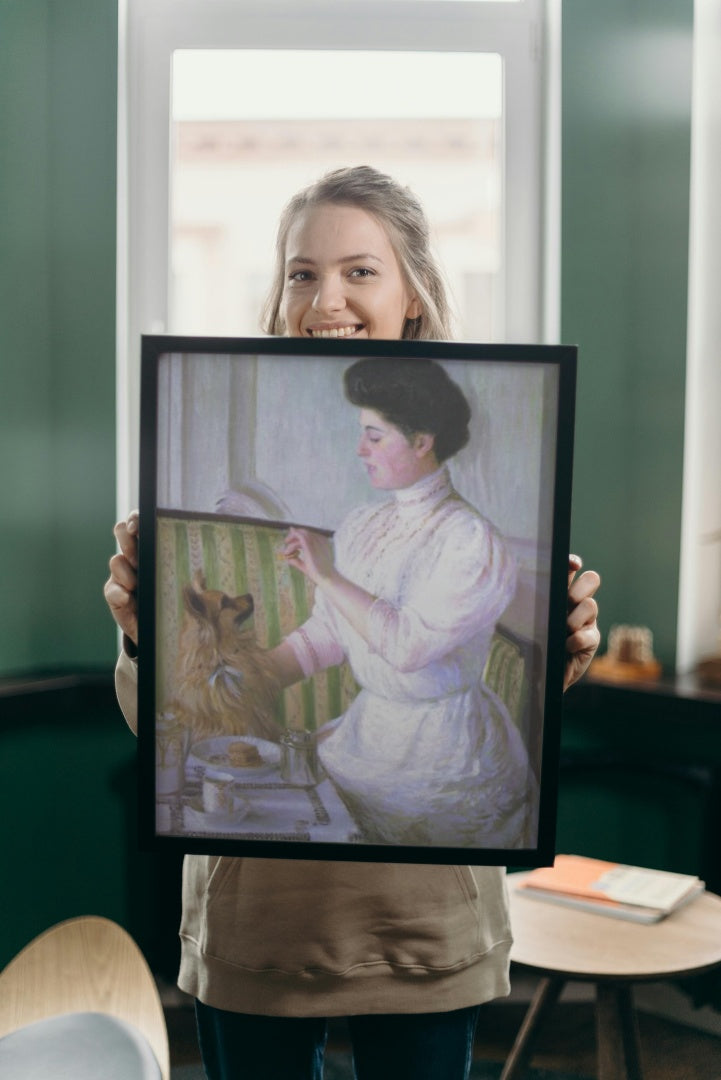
(415, 1046)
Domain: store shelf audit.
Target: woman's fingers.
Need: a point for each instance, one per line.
(123, 574)
(121, 587)
(309, 552)
(575, 563)
(582, 633)
(123, 607)
(126, 534)
(581, 602)
(293, 544)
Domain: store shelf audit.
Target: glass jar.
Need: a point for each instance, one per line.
(299, 762)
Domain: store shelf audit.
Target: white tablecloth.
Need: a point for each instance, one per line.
(273, 810)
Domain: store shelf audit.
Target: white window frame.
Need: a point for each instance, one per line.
(699, 596)
(526, 34)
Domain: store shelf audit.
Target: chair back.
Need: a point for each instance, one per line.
(240, 556)
(513, 673)
(84, 965)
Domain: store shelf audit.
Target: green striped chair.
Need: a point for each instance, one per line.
(512, 671)
(241, 556)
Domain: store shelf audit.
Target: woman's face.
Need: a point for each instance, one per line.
(342, 277)
(393, 461)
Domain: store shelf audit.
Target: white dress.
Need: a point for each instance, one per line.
(426, 754)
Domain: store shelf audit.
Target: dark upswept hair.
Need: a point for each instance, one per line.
(416, 396)
(402, 216)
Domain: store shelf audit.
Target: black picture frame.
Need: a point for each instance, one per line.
(242, 438)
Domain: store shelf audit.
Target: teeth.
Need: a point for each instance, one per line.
(336, 332)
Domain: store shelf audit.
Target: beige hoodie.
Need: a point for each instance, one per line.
(284, 937)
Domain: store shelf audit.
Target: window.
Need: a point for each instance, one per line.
(229, 106)
(236, 159)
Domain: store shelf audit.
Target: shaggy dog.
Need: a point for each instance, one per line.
(223, 684)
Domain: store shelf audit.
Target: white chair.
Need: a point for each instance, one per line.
(80, 1002)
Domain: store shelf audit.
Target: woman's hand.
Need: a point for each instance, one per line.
(583, 635)
(121, 587)
(311, 553)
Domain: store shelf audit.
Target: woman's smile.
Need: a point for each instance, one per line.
(342, 277)
(335, 331)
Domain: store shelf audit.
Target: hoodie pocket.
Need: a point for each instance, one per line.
(294, 916)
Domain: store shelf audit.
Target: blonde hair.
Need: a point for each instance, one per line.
(403, 217)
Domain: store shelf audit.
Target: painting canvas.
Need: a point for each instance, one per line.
(353, 610)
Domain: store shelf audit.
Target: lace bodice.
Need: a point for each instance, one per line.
(441, 576)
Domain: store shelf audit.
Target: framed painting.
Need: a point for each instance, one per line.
(352, 597)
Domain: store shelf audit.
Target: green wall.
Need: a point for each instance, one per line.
(67, 761)
(58, 74)
(68, 802)
(625, 201)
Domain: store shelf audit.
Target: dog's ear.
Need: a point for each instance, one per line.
(198, 582)
(195, 602)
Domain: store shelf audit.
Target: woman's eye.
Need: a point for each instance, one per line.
(300, 276)
(362, 272)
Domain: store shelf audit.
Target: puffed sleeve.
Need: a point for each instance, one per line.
(463, 582)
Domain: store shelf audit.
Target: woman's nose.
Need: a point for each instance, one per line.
(329, 295)
(362, 450)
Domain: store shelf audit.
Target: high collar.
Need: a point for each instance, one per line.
(424, 494)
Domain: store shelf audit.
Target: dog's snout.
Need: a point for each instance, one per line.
(243, 607)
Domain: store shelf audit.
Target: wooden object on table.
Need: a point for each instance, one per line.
(605, 667)
(629, 657)
(87, 964)
(565, 945)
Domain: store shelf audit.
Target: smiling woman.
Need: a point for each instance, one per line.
(337, 256)
(353, 259)
(271, 946)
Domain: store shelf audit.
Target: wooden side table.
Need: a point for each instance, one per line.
(562, 944)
